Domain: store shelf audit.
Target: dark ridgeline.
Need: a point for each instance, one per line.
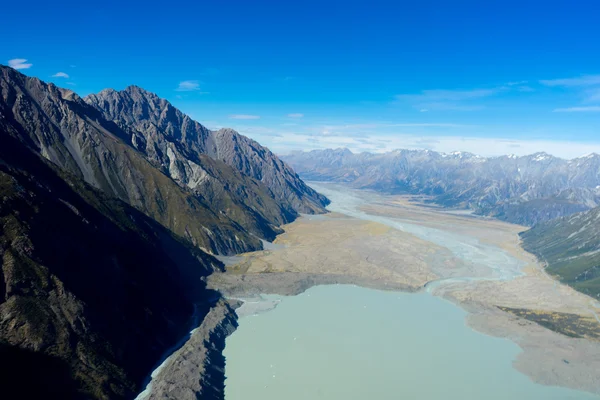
(524, 190)
(105, 228)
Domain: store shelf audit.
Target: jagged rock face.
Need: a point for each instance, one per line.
(570, 246)
(171, 140)
(92, 291)
(525, 190)
(226, 212)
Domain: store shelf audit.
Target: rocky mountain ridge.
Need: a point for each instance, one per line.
(525, 190)
(174, 142)
(214, 205)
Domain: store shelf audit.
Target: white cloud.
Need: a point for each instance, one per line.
(587, 86)
(244, 116)
(442, 137)
(578, 109)
(525, 89)
(295, 115)
(585, 80)
(448, 95)
(448, 100)
(60, 75)
(19, 63)
(188, 86)
(379, 143)
(71, 83)
(592, 95)
(516, 83)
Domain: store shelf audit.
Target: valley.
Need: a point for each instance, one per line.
(130, 229)
(392, 243)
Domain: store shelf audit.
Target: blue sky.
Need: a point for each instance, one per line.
(490, 77)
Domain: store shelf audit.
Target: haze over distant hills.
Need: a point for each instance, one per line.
(525, 190)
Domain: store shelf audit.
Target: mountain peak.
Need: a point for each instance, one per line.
(541, 156)
(139, 90)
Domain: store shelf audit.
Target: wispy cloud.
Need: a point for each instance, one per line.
(517, 83)
(60, 75)
(440, 99)
(485, 146)
(587, 86)
(295, 115)
(585, 80)
(244, 116)
(448, 95)
(19, 63)
(71, 83)
(578, 109)
(525, 88)
(188, 86)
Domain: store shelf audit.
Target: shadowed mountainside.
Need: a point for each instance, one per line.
(570, 246)
(92, 290)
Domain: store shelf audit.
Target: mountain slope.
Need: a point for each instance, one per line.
(171, 140)
(92, 291)
(524, 190)
(570, 246)
(226, 213)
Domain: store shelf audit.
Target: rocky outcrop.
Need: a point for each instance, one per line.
(524, 190)
(175, 143)
(92, 291)
(197, 369)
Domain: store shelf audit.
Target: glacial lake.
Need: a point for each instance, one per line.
(346, 342)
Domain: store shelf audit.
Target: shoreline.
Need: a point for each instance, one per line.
(197, 368)
(262, 274)
(370, 255)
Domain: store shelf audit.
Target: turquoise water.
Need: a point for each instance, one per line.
(347, 342)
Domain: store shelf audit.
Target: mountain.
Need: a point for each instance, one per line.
(203, 199)
(524, 190)
(175, 144)
(570, 247)
(92, 291)
(105, 232)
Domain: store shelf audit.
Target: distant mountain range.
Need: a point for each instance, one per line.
(110, 208)
(524, 190)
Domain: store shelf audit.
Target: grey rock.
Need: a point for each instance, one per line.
(173, 141)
